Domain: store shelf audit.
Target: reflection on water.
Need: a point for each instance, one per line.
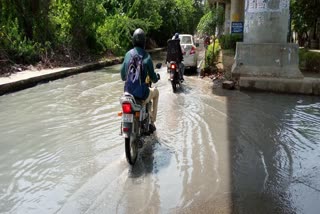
(54, 137)
(275, 138)
(214, 151)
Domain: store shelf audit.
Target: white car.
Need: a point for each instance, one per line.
(190, 56)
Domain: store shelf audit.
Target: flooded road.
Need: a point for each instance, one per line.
(214, 151)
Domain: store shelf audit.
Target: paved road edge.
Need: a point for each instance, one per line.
(28, 82)
(40, 77)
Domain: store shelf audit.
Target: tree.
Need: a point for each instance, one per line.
(28, 29)
(212, 19)
(207, 25)
(304, 15)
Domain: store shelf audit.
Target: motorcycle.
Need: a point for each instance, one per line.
(135, 123)
(174, 75)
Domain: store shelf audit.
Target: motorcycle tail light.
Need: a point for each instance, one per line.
(125, 129)
(193, 50)
(126, 108)
(173, 66)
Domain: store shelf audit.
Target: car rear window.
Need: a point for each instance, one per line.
(186, 40)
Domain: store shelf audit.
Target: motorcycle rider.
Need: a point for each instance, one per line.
(181, 65)
(138, 41)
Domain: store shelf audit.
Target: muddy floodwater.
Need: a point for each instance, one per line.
(214, 151)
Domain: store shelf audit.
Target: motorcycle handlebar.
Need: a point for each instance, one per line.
(159, 65)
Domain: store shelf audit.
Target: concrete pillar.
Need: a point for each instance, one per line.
(217, 28)
(266, 21)
(265, 51)
(227, 17)
(237, 10)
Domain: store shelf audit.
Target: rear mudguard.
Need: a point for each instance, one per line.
(140, 123)
(174, 76)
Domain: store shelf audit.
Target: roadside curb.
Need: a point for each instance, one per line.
(28, 79)
(10, 84)
(156, 50)
(306, 85)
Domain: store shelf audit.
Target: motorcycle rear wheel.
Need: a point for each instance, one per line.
(174, 86)
(131, 149)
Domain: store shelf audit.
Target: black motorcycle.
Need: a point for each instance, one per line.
(174, 56)
(174, 75)
(135, 122)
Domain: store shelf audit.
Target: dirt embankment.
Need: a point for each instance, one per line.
(222, 67)
(227, 62)
(8, 67)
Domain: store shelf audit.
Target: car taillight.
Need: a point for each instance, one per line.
(126, 108)
(193, 50)
(173, 66)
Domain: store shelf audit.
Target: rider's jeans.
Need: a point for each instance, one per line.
(181, 69)
(154, 96)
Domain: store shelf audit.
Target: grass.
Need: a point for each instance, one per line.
(309, 61)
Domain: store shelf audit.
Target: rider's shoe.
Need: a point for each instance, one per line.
(152, 128)
(140, 143)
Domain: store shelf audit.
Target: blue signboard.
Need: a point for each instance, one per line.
(237, 27)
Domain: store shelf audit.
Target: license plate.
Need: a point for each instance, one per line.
(127, 118)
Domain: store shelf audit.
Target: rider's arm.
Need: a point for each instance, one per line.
(180, 50)
(150, 70)
(123, 70)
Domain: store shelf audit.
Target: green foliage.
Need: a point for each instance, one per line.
(85, 17)
(24, 29)
(60, 18)
(212, 19)
(146, 10)
(209, 56)
(197, 14)
(169, 24)
(184, 11)
(32, 17)
(309, 61)
(115, 34)
(212, 53)
(304, 15)
(30, 29)
(302, 58)
(21, 49)
(313, 62)
(180, 16)
(207, 23)
(229, 41)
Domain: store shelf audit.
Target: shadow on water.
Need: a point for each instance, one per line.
(152, 157)
(115, 69)
(262, 153)
(191, 73)
(184, 88)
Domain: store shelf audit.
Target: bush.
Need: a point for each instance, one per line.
(230, 41)
(209, 55)
(212, 54)
(313, 61)
(309, 61)
(19, 48)
(302, 58)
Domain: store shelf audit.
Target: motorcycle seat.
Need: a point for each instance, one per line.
(140, 101)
